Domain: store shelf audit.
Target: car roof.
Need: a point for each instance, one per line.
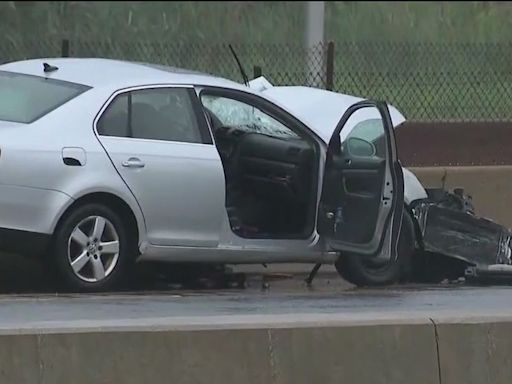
(318, 108)
(98, 72)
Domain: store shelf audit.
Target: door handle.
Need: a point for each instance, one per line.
(133, 162)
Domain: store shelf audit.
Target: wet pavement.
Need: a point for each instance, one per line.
(45, 311)
(26, 276)
(269, 294)
(268, 297)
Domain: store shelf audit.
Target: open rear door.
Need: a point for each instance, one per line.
(361, 205)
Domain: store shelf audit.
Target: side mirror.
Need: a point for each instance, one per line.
(360, 147)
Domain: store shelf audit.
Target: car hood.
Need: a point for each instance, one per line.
(319, 109)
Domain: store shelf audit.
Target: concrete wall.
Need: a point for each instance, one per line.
(476, 353)
(418, 352)
(490, 187)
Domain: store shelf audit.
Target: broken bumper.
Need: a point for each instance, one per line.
(449, 227)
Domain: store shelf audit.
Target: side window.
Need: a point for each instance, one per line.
(165, 114)
(365, 134)
(229, 112)
(114, 121)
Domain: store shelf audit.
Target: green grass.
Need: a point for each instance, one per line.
(257, 22)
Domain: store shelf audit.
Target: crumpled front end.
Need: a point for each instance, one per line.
(450, 227)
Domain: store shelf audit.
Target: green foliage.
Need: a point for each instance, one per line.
(251, 21)
(433, 60)
(433, 21)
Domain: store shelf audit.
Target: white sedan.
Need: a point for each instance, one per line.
(104, 163)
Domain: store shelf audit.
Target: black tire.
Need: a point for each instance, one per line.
(363, 272)
(127, 249)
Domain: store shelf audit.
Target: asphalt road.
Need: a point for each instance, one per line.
(270, 295)
(20, 275)
(283, 299)
(223, 308)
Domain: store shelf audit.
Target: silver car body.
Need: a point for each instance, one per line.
(36, 188)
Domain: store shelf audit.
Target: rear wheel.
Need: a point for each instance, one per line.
(92, 248)
(366, 272)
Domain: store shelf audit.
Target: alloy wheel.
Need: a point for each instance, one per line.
(93, 249)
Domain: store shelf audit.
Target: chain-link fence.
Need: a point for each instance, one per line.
(428, 82)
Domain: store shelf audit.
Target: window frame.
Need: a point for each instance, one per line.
(265, 129)
(374, 141)
(358, 125)
(265, 106)
(83, 88)
(292, 123)
(197, 112)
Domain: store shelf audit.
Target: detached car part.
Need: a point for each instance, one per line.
(449, 227)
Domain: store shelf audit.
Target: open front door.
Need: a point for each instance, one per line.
(362, 197)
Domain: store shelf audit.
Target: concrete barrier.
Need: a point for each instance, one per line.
(490, 187)
(478, 353)
(399, 353)
(404, 353)
(393, 351)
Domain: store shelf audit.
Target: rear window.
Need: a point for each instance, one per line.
(26, 98)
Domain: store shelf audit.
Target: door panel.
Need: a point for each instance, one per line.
(180, 189)
(156, 145)
(361, 191)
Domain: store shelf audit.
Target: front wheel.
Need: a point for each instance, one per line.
(92, 248)
(367, 272)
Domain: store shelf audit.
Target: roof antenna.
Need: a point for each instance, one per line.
(49, 68)
(244, 75)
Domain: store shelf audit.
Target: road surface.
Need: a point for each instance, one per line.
(27, 304)
(222, 308)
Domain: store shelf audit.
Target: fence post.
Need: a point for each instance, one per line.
(314, 43)
(329, 69)
(256, 71)
(64, 48)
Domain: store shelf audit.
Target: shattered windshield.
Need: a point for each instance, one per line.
(234, 113)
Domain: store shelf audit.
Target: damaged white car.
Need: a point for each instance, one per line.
(440, 237)
(104, 163)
